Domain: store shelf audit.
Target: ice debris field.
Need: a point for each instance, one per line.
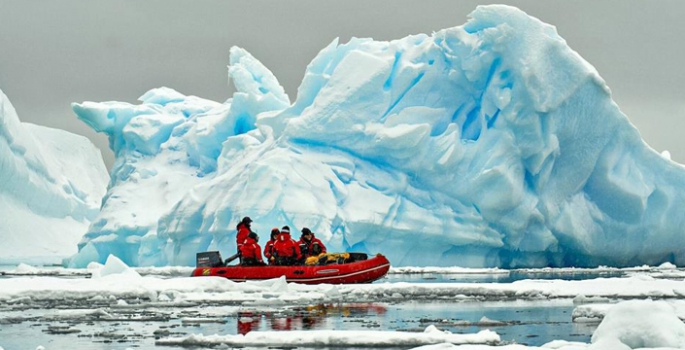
(119, 281)
(638, 312)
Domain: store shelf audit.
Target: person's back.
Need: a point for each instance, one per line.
(287, 252)
(244, 229)
(250, 251)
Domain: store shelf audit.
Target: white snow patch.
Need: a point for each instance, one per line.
(641, 324)
(557, 345)
(582, 299)
(25, 269)
(128, 284)
(596, 312)
(590, 313)
(321, 338)
(484, 322)
(413, 270)
(114, 266)
(564, 345)
(666, 154)
(667, 266)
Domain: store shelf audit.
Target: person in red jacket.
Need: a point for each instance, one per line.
(269, 246)
(251, 252)
(244, 228)
(310, 245)
(286, 249)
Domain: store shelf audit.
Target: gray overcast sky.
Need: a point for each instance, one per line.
(53, 53)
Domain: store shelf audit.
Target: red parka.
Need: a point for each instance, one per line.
(285, 246)
(269, 249)
(241, 236)
(250, 249)
(309, 244)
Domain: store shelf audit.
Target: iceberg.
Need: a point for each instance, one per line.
(51, 186)
(491, 144)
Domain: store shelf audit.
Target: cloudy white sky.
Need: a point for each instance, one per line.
(53, 53)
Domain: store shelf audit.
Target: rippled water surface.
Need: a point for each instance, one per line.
(497, 278)
(137, 326)
(532, 323)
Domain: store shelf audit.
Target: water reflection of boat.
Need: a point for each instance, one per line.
(346, 310)
(248, 321)
(309, 317)
(358, 270)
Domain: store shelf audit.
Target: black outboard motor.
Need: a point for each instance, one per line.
(358, 257)
(209, 259)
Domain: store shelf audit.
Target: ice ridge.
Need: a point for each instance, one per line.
(491, 144)
(51, 184)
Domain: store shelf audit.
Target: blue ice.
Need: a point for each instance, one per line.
(489, 144)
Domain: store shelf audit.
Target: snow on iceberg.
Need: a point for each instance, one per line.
(51, 186)
(492, 144)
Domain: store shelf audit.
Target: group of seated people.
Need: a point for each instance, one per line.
(281, 249)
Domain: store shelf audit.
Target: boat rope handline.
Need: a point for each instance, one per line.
(327, 277)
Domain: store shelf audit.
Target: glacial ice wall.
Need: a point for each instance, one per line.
(488, 144)
(51, 185)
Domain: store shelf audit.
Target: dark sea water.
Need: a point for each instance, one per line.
(531, 323)
(498, 278)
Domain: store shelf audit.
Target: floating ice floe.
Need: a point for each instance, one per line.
(409, 270)
(316, 338)
(645, 325)
(114, 266)
(663, 271)
(276, 292)
(640, 324)
(557, 345)
(595, 312)
(26, 269)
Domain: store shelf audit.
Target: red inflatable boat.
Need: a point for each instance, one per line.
(359, 269)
